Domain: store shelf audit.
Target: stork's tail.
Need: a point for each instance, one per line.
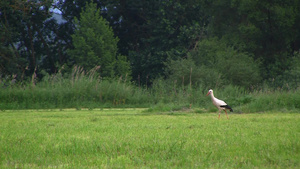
(228, 107)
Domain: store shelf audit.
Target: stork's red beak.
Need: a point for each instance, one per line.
(207, 93)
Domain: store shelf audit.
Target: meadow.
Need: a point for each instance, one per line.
(139, 138)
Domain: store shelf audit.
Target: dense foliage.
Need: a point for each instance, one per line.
(95, 45)
(211, 43)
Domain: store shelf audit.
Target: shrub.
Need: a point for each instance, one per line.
(290, 78)
(185, 72)
(215, 60)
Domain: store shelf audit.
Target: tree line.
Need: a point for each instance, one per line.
(211, 43)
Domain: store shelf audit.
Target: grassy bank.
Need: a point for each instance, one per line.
(86, 90)
(132, 138)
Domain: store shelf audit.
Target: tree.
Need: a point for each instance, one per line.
(95, 44)
(153, 31)
(24, 36)
(269, 30)
(149, 31)
(156, 30)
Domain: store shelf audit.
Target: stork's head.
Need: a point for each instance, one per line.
(209, 92)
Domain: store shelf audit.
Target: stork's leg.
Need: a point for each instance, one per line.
(219, 114)
(226, 113)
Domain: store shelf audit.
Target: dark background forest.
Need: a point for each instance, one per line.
(245, 43)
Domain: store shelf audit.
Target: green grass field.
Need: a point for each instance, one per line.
(133, 138)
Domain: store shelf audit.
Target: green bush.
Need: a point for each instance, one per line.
(288, 79)
(219, 65)
(185, 72)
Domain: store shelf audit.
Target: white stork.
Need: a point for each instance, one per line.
(220, 104)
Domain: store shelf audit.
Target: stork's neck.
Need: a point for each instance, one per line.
(212, 96)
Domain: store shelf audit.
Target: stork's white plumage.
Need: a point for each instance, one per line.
(220, 104)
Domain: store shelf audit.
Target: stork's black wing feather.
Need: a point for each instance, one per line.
(227, 107)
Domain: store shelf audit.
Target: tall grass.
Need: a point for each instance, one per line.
(82, 89)
(279, 100)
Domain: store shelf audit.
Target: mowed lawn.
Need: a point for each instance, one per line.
(131, 138)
